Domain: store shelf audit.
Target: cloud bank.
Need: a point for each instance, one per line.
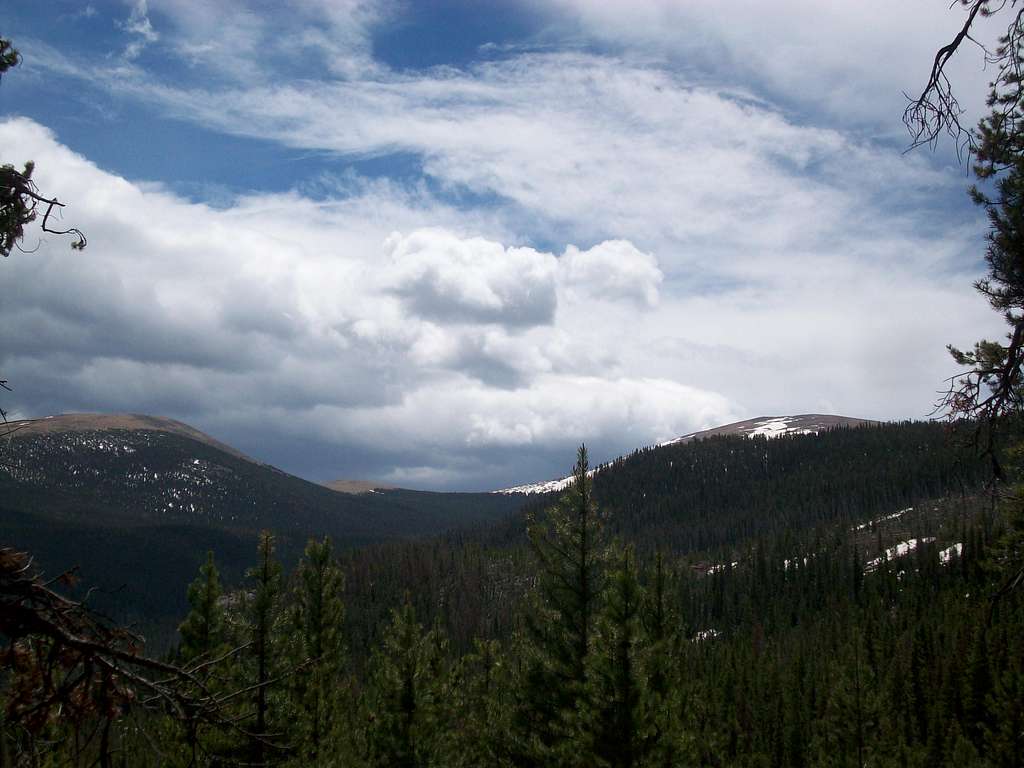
(583, 244)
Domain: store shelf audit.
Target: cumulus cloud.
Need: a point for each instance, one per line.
(541, 425)
(593, 247)
(341, 331)
(614, 269)
(450, 279)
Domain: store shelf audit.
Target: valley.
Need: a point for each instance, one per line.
(772, 550)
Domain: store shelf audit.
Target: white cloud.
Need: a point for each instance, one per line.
(450, 279)
(234, 317)
(580, 147)
(731, 259)
(140, 28)
(851, 61)
(613, 270)
(555, 414)
(240, 42)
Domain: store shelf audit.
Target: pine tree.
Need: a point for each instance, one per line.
(560, 625)
(850, 716)
(202, 631)
(405, 695)
(481, 691)
(1004, 737)
(263, 613)
(319, 653)
(618, 722)
(666, 741)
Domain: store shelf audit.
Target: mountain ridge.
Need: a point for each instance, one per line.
(765, 426)
(105, 422)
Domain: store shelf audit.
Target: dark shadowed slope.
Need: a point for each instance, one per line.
(136, 501)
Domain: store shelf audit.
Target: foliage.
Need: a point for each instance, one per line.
(797, 654)
(202, 631)
(9, 57)
(404, 717)
(19, 196)
(990, 390)
(318, 653)
(560, 626)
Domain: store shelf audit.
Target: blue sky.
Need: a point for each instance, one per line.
(438, 244)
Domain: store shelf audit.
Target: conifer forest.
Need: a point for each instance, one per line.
(781, 592)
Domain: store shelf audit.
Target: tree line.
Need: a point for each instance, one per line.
(794, 655)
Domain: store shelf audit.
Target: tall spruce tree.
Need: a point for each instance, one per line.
(319, 654)
(265, 579)
(991, 389)
(405, 695)
(618, 721)
(569, 550)
(202, 631)
(481, 694)
(666, 741)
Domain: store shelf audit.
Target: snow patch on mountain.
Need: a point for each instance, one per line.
(779, 427)
(550, 486)
(949, 553)
(902, 549)
(893, 516)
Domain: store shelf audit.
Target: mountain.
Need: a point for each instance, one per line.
(136, 501)
(727, 505)
(719, 491)
(105, 422)
(765, 426)
(776, 426)
(843, 562)
(356, 486)
(147, 496)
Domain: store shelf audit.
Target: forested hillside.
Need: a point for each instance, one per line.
(721, 490)
(833, 616)
(703, 503)
(136, 509)
(443, 244)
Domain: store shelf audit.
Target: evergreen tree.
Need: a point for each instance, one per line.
(203, 641)
(560, 624)
(406, 691)
(319, 653)
(19, 197)
(665, 692)
(618, 722)
(265, 578)
(1004, 737)
(202, 631)
(842, 733)
(978, 682)
(481, 690)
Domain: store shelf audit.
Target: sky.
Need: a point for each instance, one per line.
(440, 244)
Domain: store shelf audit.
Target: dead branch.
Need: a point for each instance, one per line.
(936, 111)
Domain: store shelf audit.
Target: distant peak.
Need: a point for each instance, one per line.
(101, 422)
(776, 426)
(762, 426)
(356, 486)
